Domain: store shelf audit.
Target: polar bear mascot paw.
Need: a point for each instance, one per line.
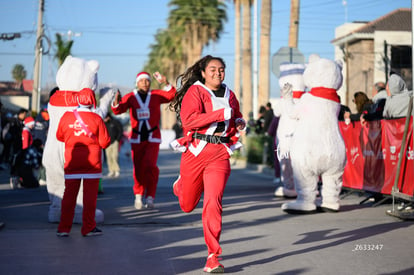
(317, 148)
(73, 75)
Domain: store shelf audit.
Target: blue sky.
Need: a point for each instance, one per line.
(119, 33)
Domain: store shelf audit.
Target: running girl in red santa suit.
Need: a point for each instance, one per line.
(211, 117)
(85, 135)
(145, 114)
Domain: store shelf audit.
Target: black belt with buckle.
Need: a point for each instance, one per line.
(211, 138)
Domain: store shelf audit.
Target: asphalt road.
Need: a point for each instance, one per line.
(257, 237)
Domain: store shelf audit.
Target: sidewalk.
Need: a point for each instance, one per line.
(257, 238)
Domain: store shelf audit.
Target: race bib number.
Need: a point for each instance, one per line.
(143, 114)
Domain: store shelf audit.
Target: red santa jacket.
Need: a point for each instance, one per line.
(27, 138)
(201, 110)
(83, 153)
(148, 112)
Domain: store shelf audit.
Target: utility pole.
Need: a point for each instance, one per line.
(38, 60)
(294, 23)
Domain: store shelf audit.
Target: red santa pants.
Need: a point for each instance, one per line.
(90, 195)
(146, 172)
(208, 172)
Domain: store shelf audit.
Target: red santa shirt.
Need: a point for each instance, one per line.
(204, 110)
(147, 112)
(83, 153)
(27, 138)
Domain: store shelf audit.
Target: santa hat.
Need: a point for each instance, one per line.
(143, 75)
(86, 98)
(29, 121)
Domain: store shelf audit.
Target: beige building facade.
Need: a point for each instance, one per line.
(371, 50)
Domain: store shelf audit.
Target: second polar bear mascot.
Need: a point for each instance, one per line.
(292, 88)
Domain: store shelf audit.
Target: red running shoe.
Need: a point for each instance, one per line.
(213, 265)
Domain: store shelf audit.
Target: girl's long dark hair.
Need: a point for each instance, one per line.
(188, 78)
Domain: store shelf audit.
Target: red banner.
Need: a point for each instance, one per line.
(372, 156)
(353, 176)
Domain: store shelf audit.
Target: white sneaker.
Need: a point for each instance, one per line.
(14, 182)
(279, 191)
(150, 202)
(111, 174)
(284, 192)
(138, 202)
(116, 174)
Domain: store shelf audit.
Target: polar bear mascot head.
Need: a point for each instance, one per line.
(73, 75)
(321, 72)
(317, 149)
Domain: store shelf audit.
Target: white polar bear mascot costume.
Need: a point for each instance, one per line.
(73, 75)
(317, 148)
(292, 87)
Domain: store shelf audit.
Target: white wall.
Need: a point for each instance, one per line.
(14, 103)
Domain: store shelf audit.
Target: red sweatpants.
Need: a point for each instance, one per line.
(90, 195)
(144, 156)
(207, 172)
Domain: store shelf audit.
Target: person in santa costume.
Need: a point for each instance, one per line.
(145, 138)
(27, 137)
(85, 135)
(211, 118)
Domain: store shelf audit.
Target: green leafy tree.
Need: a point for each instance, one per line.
(19, 73)
(198, 22)
(192, 24)
(164, 56)
(63, 48)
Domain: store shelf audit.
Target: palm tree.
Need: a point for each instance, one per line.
(63, 48)
(167, 59)
(237, 54)
(192, 25)
(247, 58)
(265, 26)
(199, 21)
(19, 73)
(164, 56)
